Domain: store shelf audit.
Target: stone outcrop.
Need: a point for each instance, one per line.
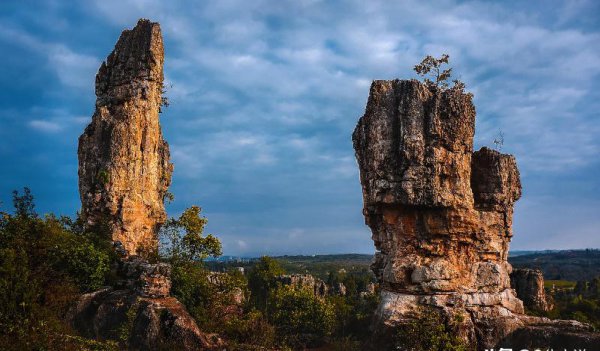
(305, 281)
(124, 169)
(440, 214)
(142, 323)
(139, 311)
(145, 279)
(124, 173)
(529, 286)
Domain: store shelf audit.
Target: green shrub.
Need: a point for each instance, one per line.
(44, 264)
(250, 328)
(431, 331)
(301, 318)
(262, 280)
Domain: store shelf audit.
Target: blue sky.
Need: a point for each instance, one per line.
(265, 95)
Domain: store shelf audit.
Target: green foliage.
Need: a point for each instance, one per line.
(432, 67)
(103, 176)
(579, 301)
(24, 206)
(429, 332)
(164, 100)
(301, 318)
(76, 256)
(262, 280)
(183, 245)
(182, 240)
(251, 328)
(168, 197)
(353, 315)
(44, 263)
(343, 320)
(127, 326)
(191, 286)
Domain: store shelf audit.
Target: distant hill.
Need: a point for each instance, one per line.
(569, 265)
(317, 265)
(321, 265)
(516, 253)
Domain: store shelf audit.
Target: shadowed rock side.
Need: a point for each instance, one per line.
(440, 215)
(139, 312)
(124, 169)
(529, 285)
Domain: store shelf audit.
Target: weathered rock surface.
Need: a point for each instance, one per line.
(140, 312)
(440, 214)
(124, 173)
(529, 285)
(124, 169)
(142, 323)
(146, 279)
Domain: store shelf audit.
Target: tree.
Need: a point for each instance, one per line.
(301, 318)
(262, 279)
(580, 287)
(499, 141)
(24, 205)
(432, 67)
(182, 238)
(44, 265)
(164, 100)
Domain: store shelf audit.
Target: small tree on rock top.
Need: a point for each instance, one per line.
(432, 67)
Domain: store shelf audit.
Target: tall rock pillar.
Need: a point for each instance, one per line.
(124, 169)
(124, 174)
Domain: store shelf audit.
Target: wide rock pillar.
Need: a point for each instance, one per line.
(440, 215)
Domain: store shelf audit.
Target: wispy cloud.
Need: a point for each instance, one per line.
(265, 96)
(72, 69)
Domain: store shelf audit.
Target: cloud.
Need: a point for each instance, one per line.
(45, 126)
(53, 121)
(278, 96)
(265, 96)
(72, 69)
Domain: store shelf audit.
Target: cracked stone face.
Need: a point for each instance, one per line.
(441, 220)
(124, 168)
(440, 213)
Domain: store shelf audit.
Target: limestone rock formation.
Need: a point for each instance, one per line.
(146, 279)
(124, 169)
(529, 285)
(139, 311)
(124, 173)
(305, 281)
(142, 323)
(440, 214)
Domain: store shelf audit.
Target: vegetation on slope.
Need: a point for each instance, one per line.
(45, 263)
